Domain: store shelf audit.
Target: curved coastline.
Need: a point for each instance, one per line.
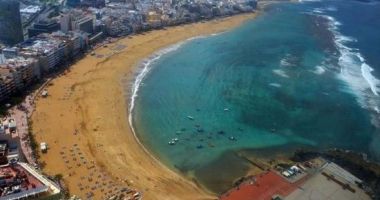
(81, 98)
(143, 68)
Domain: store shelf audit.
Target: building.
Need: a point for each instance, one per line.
(48, 51)
(20, 181)
(65, 22)
(11, 31)
(29, 13)
(85, 24)
(16, 74)
(7, 84)
(52, 50)
(77, 20)
(43, 26)
(10, 52)
(76, 42)
(314, 179)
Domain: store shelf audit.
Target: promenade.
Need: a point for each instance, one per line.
(21, 114)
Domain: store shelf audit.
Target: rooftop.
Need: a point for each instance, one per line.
(41, 45)
(15, 182)
(261, 187)
(30, 9)
(325, 181)
(333, 182)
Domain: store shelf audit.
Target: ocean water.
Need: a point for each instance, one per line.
(301, 75)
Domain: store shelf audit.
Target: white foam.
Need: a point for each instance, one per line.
(371, 80)
(144, 71)
(280, 72)
(331, 8)
(355, 72)
(318, 10)
(277, 85)
(284, 62)
(319, 70)
(145, 66)
(351, 62)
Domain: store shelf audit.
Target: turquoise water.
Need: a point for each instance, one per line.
(273, 85)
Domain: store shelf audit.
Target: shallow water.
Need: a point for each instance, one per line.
(276, 83)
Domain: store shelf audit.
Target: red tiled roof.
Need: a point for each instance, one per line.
(261, 187)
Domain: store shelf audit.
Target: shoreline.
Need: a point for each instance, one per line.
(106, 140)
(142, 69)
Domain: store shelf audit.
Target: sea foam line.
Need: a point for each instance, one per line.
(145, 66)
(355, 72)
(351, 61)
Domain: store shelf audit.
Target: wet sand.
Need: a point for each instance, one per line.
(84, 120)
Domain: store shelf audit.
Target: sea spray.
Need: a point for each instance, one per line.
(354, 70)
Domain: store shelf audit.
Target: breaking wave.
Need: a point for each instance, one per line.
(145, 67)
(319, 70)
(355, 72)
(280, 72)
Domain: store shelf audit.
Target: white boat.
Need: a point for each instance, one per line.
(190, 117)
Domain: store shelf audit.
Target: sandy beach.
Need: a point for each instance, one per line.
(84, 121)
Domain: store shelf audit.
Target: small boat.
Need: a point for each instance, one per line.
(232, 138)
(190, 117)
(226, 109)
(175, 139)
(171, 143)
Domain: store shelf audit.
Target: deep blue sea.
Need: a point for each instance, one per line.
(301, 75)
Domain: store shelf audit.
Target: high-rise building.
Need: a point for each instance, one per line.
(10, 22)
(65, 22)
(43, 26)
(85, 24)
(78, 21)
